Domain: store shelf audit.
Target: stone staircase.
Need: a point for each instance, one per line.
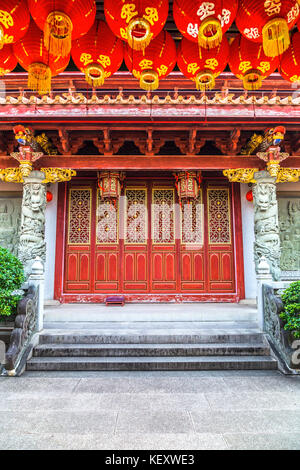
(152, 346)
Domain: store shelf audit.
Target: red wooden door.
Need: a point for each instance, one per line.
(79, 244)
(136, 247)
(163, 246)
(147, 243)
(192, 253)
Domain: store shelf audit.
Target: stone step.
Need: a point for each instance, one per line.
(149, 312)
(151, 350)
(151, 363)
(149, 337)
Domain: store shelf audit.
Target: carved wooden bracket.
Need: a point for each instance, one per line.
(64, 141)
(7, 143)
(231, 145)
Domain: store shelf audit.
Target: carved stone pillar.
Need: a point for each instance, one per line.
(266, 226)
(32, 233)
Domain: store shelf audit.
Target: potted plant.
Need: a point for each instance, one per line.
(11, 279)
(291, 313)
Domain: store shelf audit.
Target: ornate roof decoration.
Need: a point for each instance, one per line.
(216, 99)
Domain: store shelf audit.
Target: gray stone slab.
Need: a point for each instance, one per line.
(242, 384)
(235, 400)
(278, 383)
(270, 421)
(154, 422)
(167, 402)
(149, 384)
(38, 384)
(217, 422)
(95, 441)
(164, 441)
(263, 441)
(63, 422)
(154, 374)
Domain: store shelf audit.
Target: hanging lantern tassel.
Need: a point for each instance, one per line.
(205, 80)
(58, 34)
(149, 80)
(210, 33)
(39, 78)
(276, 38)
(252, 80)
(2, 37)
(94, 75)
(139, 34)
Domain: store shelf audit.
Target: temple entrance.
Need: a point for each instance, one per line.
(147, 243)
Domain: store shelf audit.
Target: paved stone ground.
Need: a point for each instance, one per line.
(150, 410)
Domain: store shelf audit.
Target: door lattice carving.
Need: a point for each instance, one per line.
(192, 223)
(136, 216)
(79, 217)
(218, 216)
(163, 216)
(106, 221)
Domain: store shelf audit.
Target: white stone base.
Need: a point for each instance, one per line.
(152, 313)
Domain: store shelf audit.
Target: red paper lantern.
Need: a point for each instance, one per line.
(188, 184)
(110, 184)
(34, 57)
(138, 21)
(62, 21)
(7, 60)
(248, 62)
(289, 66)
(204, 21)
(98, 54)
(202, 65)
(155, 63)
(14, 21)
(49, 196)
(268, 22)
(249, 196)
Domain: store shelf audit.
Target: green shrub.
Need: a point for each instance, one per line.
(11, 279)
(291, 313)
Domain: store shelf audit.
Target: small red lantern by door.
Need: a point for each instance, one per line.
(188, 184)
(98, 54)
(14, 21)
(249, 63)
(155, 64)
(138, 21)
(204, 21)
(289, 66)
(202, 65)
(49, 196)
(62, 21)
(268, 22)
(109, 183)
(35, 58)
(7, 60)
(249, 196)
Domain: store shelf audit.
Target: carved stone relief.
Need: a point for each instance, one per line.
(289, 223)
(266, 225)
(32, 233)
(10, 218)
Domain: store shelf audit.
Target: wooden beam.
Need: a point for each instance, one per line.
(142, 162)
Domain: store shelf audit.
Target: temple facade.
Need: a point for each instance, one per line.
(156, 197)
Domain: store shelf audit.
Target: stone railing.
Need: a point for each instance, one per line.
(270, 305)
(28, 322)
